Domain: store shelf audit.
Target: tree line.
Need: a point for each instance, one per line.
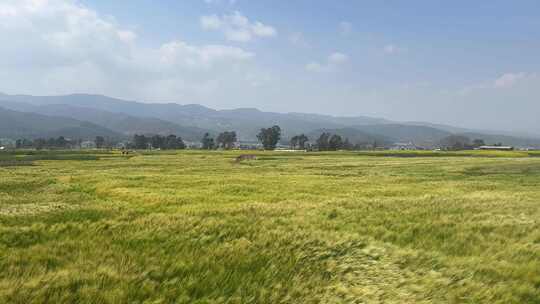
(59, 143)
(171, 142)
(268, 137)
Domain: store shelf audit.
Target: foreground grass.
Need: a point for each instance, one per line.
(192, 227)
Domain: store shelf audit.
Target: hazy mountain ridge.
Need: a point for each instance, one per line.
(15, 124)
(420, 135)
(191, 121)
(118, 122)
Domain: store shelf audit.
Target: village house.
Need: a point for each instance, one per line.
(496, 148)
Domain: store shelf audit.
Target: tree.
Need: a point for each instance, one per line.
(455, 142)
(347, 145)
(207, 142)
(226, 140)
(335, 142)
(299, 141)
(140, 141)
(178, 143)
(269, 137)
(170, 143)
(100, 142)
(323, 142)
(293, 143)
(40, 143)
(158, 142)
(478, 143)
(61, 142)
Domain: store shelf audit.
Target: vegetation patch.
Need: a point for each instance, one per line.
(324, 227)
(15, 163)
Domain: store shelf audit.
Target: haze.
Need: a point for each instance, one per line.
(469, 64)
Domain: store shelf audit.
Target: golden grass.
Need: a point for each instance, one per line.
(193, 227)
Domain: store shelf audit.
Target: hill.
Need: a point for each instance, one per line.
(191, 121)
(420, 135)
(16, 124)
(118, 122)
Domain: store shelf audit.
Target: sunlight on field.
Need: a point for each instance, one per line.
(195, 227)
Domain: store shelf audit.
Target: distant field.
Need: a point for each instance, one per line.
(195, 227)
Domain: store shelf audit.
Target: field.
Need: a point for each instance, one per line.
(195, 227)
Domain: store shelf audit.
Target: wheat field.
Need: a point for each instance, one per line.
(197, 227)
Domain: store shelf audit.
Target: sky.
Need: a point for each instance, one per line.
(472, 64)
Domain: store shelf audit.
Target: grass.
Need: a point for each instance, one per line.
(343, 227)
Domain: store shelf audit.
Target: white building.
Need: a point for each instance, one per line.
(496, 148)
(404, 146)
(88, 145)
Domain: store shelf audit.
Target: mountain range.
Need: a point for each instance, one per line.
(86, 116)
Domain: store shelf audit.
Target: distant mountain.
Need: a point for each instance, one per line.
(340, 120)
(14, 124)
(191, 121)
(118, 122)
(246, 122)
(420, 135)
(491, 139)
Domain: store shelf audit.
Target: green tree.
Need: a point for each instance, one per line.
(347, 145)
(226, 140)
(61, 142)
(100, 142)
(179, 143)
(455, 142)
(335, 143)
(269, 137)
(158, 142)
(207, 142)
(299, 141)
(40, 143)
(478, 143)
(323, 142)
(293, 143)
(140, 141)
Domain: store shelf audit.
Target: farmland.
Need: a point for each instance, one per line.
(196, 227)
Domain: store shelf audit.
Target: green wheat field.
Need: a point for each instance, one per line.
(196, 227)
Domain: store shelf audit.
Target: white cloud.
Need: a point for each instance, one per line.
(126, 36)
(337, 58)
(230, 2)
(298, 39)
(392, 49)
(61, 46)
(332, 63)
(211, 22)
(345, 28)
(508, 80)
(183, 54)
(237, 27)
(505, 81)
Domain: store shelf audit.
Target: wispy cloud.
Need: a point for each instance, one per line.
(237, 27)
(508, 80)
(505, 81)
(298, 39)
(230, 2)
(332, 63)
(392, 49)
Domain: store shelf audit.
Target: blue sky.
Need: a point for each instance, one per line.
(467, 63)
